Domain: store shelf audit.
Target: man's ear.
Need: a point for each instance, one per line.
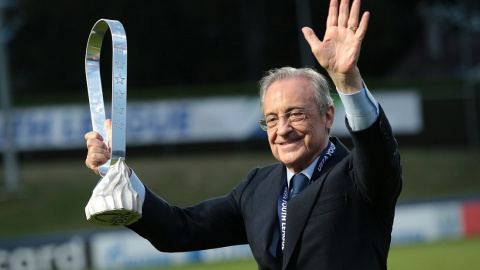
(329, 116)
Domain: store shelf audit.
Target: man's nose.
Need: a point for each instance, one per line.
(283, 126)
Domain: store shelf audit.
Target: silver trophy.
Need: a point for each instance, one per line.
(114, 202)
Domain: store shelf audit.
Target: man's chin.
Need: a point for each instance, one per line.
(289, 159)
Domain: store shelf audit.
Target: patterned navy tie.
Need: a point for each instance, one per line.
(299, 182)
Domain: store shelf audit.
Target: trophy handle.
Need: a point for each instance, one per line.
(119, 86)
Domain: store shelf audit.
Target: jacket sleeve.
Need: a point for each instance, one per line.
(375, 162)
(209, 224)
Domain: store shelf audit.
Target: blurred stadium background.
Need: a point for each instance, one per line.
(193, 68)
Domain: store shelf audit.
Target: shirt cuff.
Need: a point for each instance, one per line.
(361, 108)
(137, 185)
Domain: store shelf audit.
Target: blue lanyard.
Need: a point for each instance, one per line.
(282, 211)
(283, 197)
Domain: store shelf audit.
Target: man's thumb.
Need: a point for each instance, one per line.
(108, 129)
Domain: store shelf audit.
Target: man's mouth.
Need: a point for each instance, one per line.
(290, 142)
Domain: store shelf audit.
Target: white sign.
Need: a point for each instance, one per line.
(70, 255)
(184, 121)
(157, 122)
(427, 222)
(125, 249)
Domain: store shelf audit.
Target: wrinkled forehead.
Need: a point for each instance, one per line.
(287, 94)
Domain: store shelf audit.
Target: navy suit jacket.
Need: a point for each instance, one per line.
(343, 220)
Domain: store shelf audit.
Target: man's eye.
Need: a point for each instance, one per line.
(296, 115)
(271, 119)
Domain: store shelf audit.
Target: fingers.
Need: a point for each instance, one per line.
(108, 129)
(310, 36)
(344, 16)
(354, 13)
(344, 13)
(98, 153)
(93, 135)
(332, 19)
(95, 160)
(362, 27)
(94, 140)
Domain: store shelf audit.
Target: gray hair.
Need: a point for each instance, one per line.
(318, 83)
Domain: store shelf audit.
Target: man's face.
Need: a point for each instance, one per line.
(299, 144)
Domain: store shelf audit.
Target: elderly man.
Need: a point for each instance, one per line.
(321, 206)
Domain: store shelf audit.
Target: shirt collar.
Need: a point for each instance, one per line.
(307, 171)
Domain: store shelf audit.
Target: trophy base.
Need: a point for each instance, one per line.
(114, 218)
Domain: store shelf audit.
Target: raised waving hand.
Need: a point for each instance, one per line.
(339, 50)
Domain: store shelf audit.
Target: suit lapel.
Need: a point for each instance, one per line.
(298, 211)
(299, 208)
(265, 212)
